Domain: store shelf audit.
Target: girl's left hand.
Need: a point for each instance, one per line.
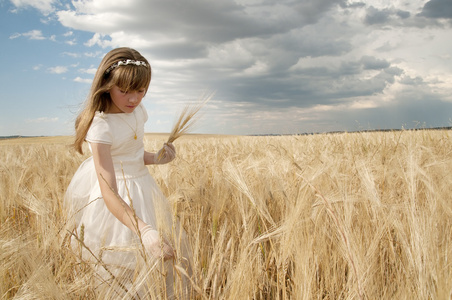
(157, 247)
(166, 154)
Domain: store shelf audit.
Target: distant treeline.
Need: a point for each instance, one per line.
(367, 130)
(16, 137)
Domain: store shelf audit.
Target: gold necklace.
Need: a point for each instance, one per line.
(136, 125)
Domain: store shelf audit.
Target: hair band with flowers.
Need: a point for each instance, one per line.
(124, 63)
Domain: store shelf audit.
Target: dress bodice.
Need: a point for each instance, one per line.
(119, 131)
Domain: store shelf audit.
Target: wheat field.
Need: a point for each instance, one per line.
(326, 216)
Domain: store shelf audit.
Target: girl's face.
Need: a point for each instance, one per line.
(125, 102)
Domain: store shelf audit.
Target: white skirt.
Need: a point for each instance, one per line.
(100, 238)
(101, 232)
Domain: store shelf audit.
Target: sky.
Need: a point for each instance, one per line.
(275, 66)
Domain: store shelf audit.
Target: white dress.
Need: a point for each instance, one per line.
(105, 236)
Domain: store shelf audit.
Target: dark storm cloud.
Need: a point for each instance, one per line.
(352, 5)
(271, 38)
(213, 21)
(385, 16)
(311, 41)
(403, 14)
(416, 81)
(413, 112)
(372, 63)
(437, 9)
(174, 50)
(376, 16)
(311, 11)
(308, 87)
(269, 56)
(200, 22)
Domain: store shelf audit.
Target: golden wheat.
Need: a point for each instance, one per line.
(186, 120)
(343, 216)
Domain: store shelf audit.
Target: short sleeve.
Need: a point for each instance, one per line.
(100, 131)
(145, 113)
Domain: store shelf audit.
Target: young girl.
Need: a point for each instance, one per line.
(117, 207)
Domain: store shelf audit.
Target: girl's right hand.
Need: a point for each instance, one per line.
(166, 154)
(152, 243)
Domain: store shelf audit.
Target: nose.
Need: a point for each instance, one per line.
(134, 97)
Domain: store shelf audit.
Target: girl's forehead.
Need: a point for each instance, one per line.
(131, 86)
(132, 80)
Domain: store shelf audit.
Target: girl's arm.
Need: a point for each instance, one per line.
(107, 181)
(153, 158)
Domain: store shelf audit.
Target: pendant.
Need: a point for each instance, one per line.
(135, 137)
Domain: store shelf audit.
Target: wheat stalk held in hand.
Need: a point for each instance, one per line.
(186, 120)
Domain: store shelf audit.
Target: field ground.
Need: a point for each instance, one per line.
(327, 216)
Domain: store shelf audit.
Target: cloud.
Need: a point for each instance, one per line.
(32, 35)
(91, 71)
(197, 24)
(71, 54)
(375, 16)
(372, 63)
(14, 36)
(44, 6)
(437, 9)
(71, 42)
(392, 16)
(403, 14)
(94, 54)
(414, 109)
(416, 81)
(58, 70)
(310, 61)
(83, 80)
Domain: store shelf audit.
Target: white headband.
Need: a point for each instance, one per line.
(125, 62)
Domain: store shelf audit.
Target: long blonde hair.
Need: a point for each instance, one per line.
(126, 77)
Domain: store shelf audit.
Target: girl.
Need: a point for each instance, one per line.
(117, 207)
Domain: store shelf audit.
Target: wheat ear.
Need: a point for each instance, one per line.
(186, 120)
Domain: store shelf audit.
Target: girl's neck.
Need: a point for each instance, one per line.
(116, 111)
